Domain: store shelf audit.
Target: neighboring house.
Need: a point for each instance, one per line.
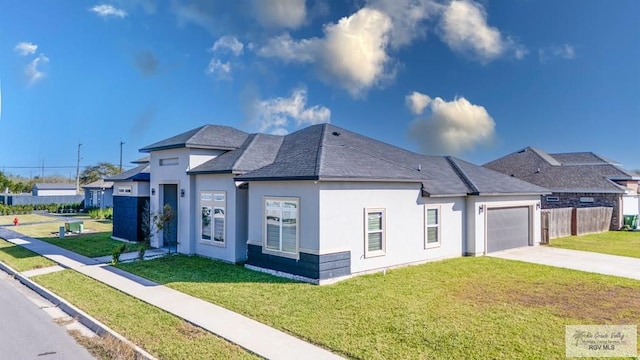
(581, 179)
(54, 189)
(324, 203)
(98, 194)
(130, 195)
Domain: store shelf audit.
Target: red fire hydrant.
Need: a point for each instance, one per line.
(16, 221)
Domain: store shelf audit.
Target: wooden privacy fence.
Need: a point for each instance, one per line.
(574, 221)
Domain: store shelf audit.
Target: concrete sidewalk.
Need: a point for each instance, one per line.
(622, 266)
(247, 333)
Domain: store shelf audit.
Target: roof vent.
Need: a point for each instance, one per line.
(538, 171)
(419, 167)
(335, 133)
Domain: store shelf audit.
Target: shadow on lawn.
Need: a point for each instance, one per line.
(18, 252)
(196, 269)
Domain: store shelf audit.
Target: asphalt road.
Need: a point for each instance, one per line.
(28, 332)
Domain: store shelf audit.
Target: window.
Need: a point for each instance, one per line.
(374, 232)
(432, 223)
(213, 211)
(281, 230)
(169, 161)
(552, 199)
(124, 189)
(586, 199)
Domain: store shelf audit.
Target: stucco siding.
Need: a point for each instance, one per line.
(342, 219)
(477, 207)
(227, 251)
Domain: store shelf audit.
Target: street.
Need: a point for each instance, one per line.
(27, 331)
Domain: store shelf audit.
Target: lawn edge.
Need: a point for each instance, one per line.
(85, 319)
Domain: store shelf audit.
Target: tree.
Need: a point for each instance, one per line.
(97, 172)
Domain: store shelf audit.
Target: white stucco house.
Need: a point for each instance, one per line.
(54, 189)
(324, 203)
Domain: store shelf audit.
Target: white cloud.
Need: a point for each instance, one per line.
(25, 48)
(566, 52)
(289, 14)
(407, 17)
(33, 72)
(220, 70)
(353, 52)
(107, 11)
(228, 43)
(417, 102)
(451, 127)
(465, 30)
(275, 115)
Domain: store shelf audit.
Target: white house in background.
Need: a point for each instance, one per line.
(325, 203)
(54, 189)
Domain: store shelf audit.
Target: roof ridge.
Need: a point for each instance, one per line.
(545, 156)
(462, 175)
(320, 149)
(250, 138)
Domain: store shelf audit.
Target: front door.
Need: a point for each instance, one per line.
(170, 231)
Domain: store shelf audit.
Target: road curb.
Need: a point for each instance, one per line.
(82, 317)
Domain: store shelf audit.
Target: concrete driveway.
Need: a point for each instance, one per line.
(622, 266)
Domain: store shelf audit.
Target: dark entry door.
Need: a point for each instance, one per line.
(170, 232)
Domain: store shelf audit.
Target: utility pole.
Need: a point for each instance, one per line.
(121, 143)
(78, 170)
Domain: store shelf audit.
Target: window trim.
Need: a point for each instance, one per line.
(207, 201)
(438, 225)
(171, 161)
(383, 250)
(552, 198)
(280, 253)
(124, 189)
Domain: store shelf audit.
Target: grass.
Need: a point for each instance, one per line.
(623, 243)
(95, 242)
(26, 218)
(158, 332)
(472, 308)
(20, 258)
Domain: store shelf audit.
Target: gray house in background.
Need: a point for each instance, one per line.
(581, 179)
(98, 194)
(54, 189)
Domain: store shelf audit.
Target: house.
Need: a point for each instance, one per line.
(98, 194)
(324, 203)
(54, 189)
(581, 179)
(130, 198)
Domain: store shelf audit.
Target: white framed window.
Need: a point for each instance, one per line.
(552, 199)
(374, 229)
(124, 189)
(586, 199)
(432, 226)
(169, 161)
(213, 217)
(281, 226)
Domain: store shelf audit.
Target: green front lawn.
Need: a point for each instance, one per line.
(26, 218)
(465, 308)
(96, 241)
(20, 258)
(158, 332)
(623, 243)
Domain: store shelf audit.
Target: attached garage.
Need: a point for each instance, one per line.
(508, 228)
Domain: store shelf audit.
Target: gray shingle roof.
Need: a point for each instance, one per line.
(327, 152)
(138, 173)
(99, 184)
(257, 151)
(568, 172)
(205, 137)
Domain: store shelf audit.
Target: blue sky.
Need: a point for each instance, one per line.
(475, 79)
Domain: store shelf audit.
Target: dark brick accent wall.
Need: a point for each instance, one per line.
(317, 267)
(573, 200)
(127, 217)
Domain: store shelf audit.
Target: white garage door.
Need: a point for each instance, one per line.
(507, 228)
